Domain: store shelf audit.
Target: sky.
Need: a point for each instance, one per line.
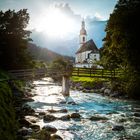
(100, 8)
(57, 22)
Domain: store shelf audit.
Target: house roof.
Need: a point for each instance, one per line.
(88, 46)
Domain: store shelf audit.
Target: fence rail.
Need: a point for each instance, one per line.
(98, 73)
(80, 72)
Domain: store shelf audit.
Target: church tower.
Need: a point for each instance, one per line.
(83, 34)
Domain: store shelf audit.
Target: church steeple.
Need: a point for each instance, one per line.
(83, 34)
(83, 24)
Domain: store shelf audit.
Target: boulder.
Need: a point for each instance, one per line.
(43, 135)
(27, 110)
(25, 131)
(65, 118)
(102, 89)
(118, 128)
(115, 94)
(49, 118)
(63, 111)
(42, 113)
(24, 122)
(71, 102)
(107, 91)
(56, 137)
(35, 128)
(50, 129)
(137, 114)
(97, 118)
(75, 115)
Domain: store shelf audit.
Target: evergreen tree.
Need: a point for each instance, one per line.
(121, 44)
(14, 39)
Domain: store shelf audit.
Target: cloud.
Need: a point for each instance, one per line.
(67, 10)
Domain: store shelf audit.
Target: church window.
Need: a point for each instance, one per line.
(88, 55)
(83, 39)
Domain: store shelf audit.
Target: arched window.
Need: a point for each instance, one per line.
(83, 39)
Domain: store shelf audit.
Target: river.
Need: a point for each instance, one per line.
(118, 112)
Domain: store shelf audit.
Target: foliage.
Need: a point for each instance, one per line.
(89, 83)
(121, 44)
(8, 124)
(61, 64)
(14, 39)
(86, 79)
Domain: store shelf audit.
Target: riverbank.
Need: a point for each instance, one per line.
(96, 85)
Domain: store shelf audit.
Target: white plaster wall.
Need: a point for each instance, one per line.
(95, 56)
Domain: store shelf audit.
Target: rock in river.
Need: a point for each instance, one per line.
(50, 129)
(49, 118)
(118, 128)
(65, 118)
(97, 118)
(75, 115)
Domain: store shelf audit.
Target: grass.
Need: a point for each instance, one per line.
(86, 79)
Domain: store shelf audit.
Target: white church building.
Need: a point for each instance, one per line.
(88, 53)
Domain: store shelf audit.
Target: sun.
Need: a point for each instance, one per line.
(55, 23)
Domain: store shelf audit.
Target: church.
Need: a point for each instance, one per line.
(88, 53)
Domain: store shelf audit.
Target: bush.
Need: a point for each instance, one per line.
(7, 115)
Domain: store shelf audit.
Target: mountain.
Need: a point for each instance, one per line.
(69, 46)
(44, 54)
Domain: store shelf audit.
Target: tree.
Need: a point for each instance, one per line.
(121, 44)
(14, 39)
(60, 66)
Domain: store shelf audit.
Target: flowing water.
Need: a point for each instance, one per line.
(119, 112)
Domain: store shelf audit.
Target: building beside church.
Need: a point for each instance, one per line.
(88, 53)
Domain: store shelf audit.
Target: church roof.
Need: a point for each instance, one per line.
(88, 46)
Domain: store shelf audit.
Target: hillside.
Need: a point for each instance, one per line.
(44, 54)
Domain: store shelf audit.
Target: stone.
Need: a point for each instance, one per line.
(115, 94)
(42, 113)
(102, 89)
(34, 127)
(24, 131)
(50, 129)
(27, 99)
(63, 102)
(118, 128)
(65, 118)
(71, 102)
(43, 135)
(107, 91)
(24, 122)
(75, 115)
(49, 118)
(26, 109)
(63, 111)
(56, 137)
(97, 118)
(137, 114)
(32, 119)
